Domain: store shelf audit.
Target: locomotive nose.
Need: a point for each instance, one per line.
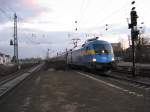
(104, 58)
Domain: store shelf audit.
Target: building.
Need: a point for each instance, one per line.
(142, 54)
(118, 50)
(1, 58)
(5, 59)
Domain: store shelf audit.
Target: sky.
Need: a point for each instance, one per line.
(50, 24)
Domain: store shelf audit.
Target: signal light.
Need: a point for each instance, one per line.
(11, 42)
(133, 18)
(135, 34)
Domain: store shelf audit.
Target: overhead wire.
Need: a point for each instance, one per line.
(5, 9)
(108, 17)
(83, 9)
(80, 15)
(145, 9)
(30, 40)
(20, 20)
(5, 14)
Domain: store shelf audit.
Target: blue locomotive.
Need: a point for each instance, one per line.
(94, 55)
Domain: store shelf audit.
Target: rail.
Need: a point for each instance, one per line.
(12, 81)
(142, 72)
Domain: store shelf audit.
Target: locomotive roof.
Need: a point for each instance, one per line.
(90, 43)
(97, 42)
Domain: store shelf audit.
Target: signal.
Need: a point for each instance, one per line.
(134, 34)
(133, 25)
(133, 18)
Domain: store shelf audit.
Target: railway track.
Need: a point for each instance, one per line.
(142, 72)
(129, 78)
(122, 80)
(6, 78)
(126, 76)
(125, 73)
(11, 81)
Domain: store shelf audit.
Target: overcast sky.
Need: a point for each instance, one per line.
(44, 24)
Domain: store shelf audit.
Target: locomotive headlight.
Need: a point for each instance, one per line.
(113, 59)
(94, 60)
(103, 51)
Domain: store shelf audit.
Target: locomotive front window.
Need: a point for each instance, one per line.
(102, 48)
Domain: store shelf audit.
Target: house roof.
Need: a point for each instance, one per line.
(1, 54)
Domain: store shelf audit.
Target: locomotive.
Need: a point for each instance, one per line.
(94, 55)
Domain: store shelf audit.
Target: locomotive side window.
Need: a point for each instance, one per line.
(87, 48)
(102, 48)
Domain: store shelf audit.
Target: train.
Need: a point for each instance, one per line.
(94, 55)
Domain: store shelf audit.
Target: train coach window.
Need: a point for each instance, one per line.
(102, 48)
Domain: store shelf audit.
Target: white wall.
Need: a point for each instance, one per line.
(1, 60)
(5, 60)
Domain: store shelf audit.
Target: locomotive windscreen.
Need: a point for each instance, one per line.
(102, 48)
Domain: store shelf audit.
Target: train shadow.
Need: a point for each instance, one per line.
(57, 65)
(61, 65)
(86, 70)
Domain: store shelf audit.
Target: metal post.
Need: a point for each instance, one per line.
(15, 40)
(134, 36)
(48, 53)
(133, 54)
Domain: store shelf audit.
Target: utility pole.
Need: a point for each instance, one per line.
(142, 30)
(134, 36)
(75, 42)
(48, 53)
(129, 40)
(15, 41)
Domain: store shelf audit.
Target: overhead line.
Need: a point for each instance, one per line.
(5, 14)
(82, 10)
(114, 12)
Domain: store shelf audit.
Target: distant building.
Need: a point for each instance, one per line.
(1, 58)
(117, 48)
(4, 59)
(142, 53)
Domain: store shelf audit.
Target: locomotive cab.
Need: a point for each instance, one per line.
(94, 54)
(103, 57)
